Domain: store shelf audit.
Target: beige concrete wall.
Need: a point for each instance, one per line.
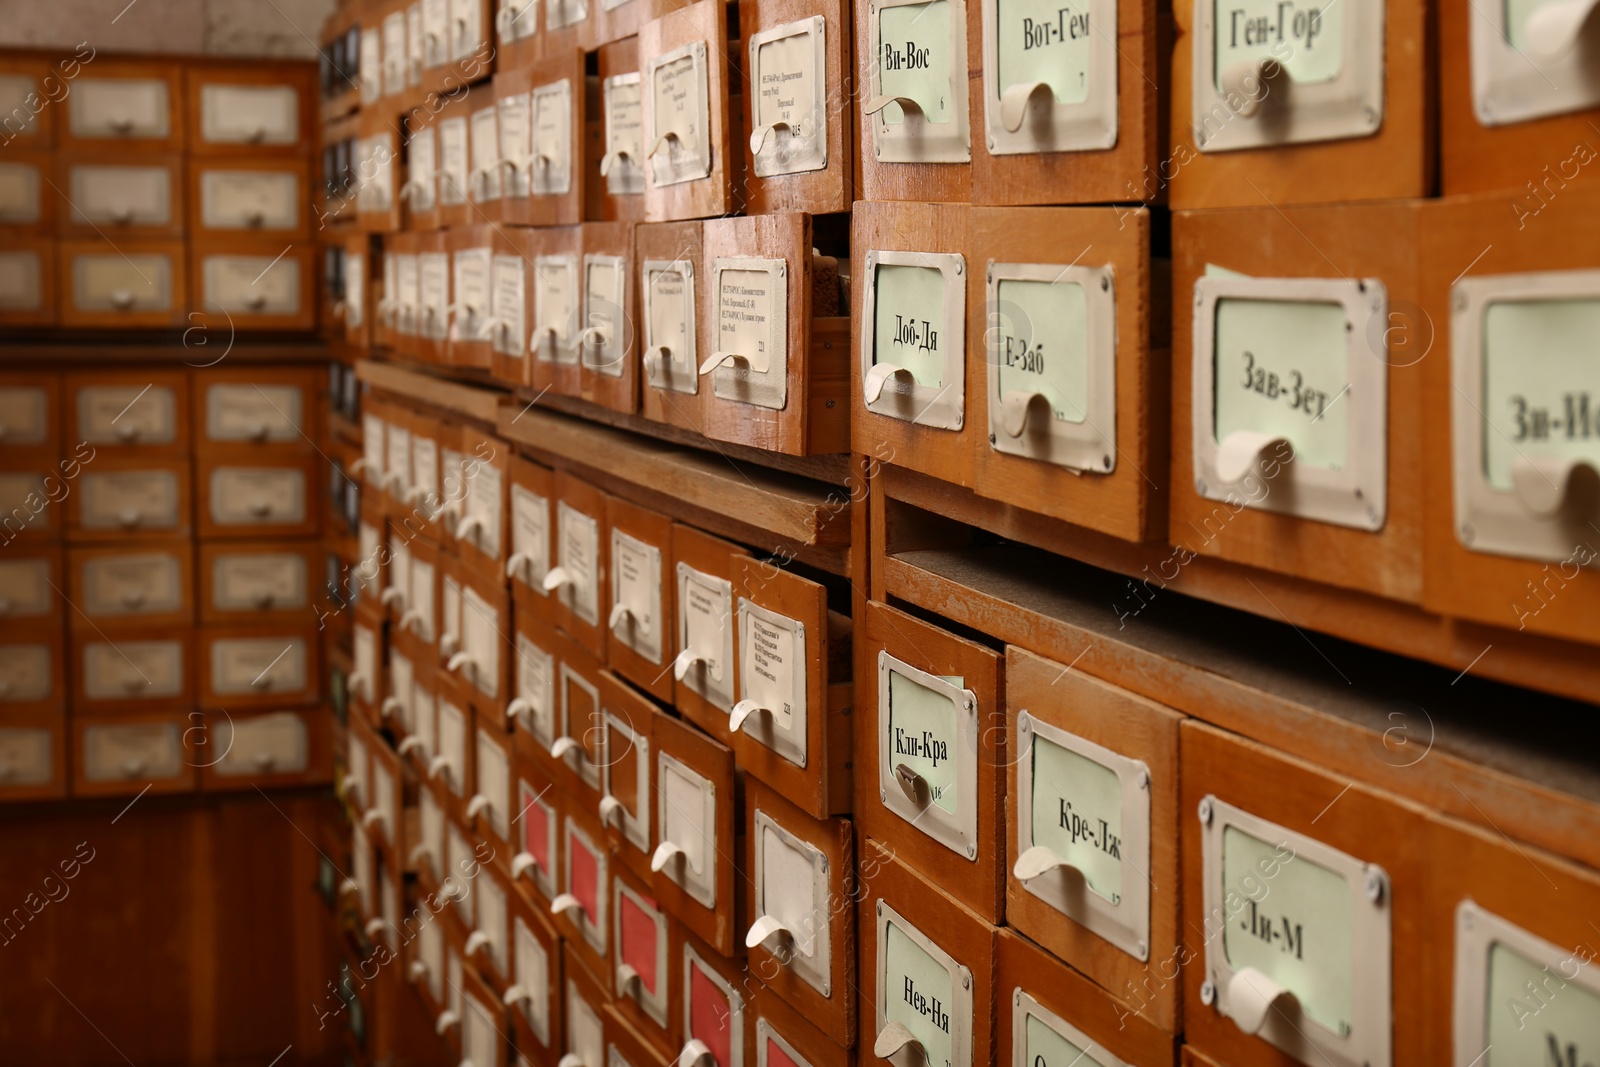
(220, 27)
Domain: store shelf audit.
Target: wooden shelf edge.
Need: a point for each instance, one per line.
(481, 403)
(198, 348)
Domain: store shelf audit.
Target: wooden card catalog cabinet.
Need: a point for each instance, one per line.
(908, 292)
(126, 753)
(927, 968)
(1068, 384)
(1051, 1015)
(256, 282)
(133, 102)
(33, 760)
(1299, 913)
(1066, 111)
(695, 821)
(1311, 485)
(249, 195)
(33, 675)
(581, 909)
(627, 785)
(798, 152)
(29, 578)
(608, 368)
(27, 203)
(774, 376)
(149, 587)
(27, 87)
(377, 171)
(642, 975)
(109, 195)
(272, 749)
(705, 668)
(258, 497)
(471, 307)
(641, 615)
(1307, 104)
(685, 107)
(532, 534)
(672, 303)
(802, 932)
(248, 669)
(925, 702)
(1511, 473)
(1091, 826)
(138, 285)
(916, 142)
(129, 412)
(251, 581)
(555, 308)
(615, 184)
(264, 109)
(790, 725)
(130, 499)
(580, 580)
(28, 281)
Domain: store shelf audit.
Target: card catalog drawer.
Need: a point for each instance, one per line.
(1050, 1013)
(434, 277)
(532, 535)
(27, 203)
(249, 195)
(27, 89)
(485, 184)
(1316, 903)
(130, 498)
(536, 854)
(1508, 538)
(450, 770)
(488, 945)
(265, 109)
(481, 662)
(272, 749)
(555, 308)
(489, 810)
(146, 409)
(133, 101)
(686, 121)
(129, 753)
(356, 305)
(706, 666)
(914, 133)
(535, 994)
(469, 314)
(257, 406)
(619, 194)
(790, 724)
(32, 673)
(1304, 112)
(586, 1004)
(251, 582)
(709, 1002)
(796, 61)
(481, 533)
(141, 284)
(693, 859)
(641, 614)
(627, 781)
(152, 586)
(780, 1034)
(802, 933)
(28, 275)
(259, 283)
(1276, 473)
(33, 758)
(131, 670)
(26, 497)
(582, 909)
(30, 417)
(248, 669)
(1092, 827)
(542, 128)
(31, 582)
(366, 672)
(109, 196)
(777, 355)
(579, 748)
(908, 293)
(505, 325)
(1049, 411)
(534, 710)
(643, 979)
(249, 497)
(419, 621)
(929, 705)
(376, 166)
(627, 1043)
(580, 580)
(927, 966)
(608, 373)
(672, 304)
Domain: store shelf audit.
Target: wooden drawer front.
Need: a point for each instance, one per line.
(532, 534)
(262, 111)
(627, 782)
(490, 806)
(276, 748)
(554, 308)
(672, 304)
(30, 415)
(536, 978)
(32, 675)
(227, 197)
(451, 766)
(132, 669)
(127, 101)
(780, 1033)
(608, 369)
(112, 586)
(258, 498)
(587, 1006)
(1092, 825)
(258, 283)
(686, 115)
(143, 285)
(534, 709)
(115, 754)
(467, 318)
(641, 614)
(481, 661)
(30, 590)
(930, 725)
(695, 826)
(249, 669)
(270, 579)
(484, 185)
(643, 977)
(26, 90)
(27, 203)
(481, 533)
(581, 575)
(706, 667)
(802, 933)
(556, 122)
(28, 278)
(537, 855)
(1298, 891)
(377, 166)
(621, 194)
(33, 759)
(709, 1001)
(483, 1015)
(129, 408)
(26, 499)
(120, 499)
(420, 618)
(582, 908)
(265, 407)
(506, 326)
(109, 195)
